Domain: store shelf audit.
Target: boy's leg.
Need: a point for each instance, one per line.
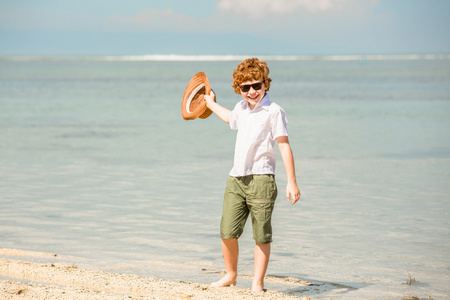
(261, 206)
(234, 216)
(262, 255)
(230, 250)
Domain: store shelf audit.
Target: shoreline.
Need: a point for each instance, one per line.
(29, 280)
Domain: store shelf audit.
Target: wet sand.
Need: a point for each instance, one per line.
(22, 279)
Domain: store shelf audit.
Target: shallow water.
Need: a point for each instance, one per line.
(96, 162)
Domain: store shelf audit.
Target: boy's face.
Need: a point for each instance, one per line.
(253, 91)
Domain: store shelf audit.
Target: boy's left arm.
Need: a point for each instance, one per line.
(288, 160)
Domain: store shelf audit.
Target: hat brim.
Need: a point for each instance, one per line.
(193, 104)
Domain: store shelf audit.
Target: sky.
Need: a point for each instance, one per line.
(240, 27)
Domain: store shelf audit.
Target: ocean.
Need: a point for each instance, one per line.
(96, 163)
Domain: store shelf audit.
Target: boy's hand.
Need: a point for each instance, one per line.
(222, 112)
(210, 98)
(292, 192)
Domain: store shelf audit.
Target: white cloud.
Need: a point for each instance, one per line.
(306, 19)
(258, 9)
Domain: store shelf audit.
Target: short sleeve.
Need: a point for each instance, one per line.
(280, 122)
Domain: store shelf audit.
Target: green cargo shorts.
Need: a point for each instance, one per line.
(254, 194)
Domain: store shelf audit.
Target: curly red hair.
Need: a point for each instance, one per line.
(249, 70)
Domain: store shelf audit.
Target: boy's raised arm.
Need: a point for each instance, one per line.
(219, 110)
(288, 160)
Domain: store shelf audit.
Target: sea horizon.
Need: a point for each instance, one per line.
(226, 57)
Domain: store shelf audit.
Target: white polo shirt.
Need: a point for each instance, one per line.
(258, 129)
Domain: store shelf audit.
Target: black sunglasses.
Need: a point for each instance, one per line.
(246, 87)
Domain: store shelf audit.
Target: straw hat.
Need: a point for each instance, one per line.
(193, 105)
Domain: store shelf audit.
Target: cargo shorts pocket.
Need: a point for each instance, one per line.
(262, 220)
(263, 209)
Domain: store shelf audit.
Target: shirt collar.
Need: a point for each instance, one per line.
(264, 103)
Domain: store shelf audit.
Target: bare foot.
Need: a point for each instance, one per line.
(227, 280)
(258, 286)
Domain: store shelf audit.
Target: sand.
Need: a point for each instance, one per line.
(23, 279)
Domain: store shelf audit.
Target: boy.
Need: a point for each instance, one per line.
(251, 187)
